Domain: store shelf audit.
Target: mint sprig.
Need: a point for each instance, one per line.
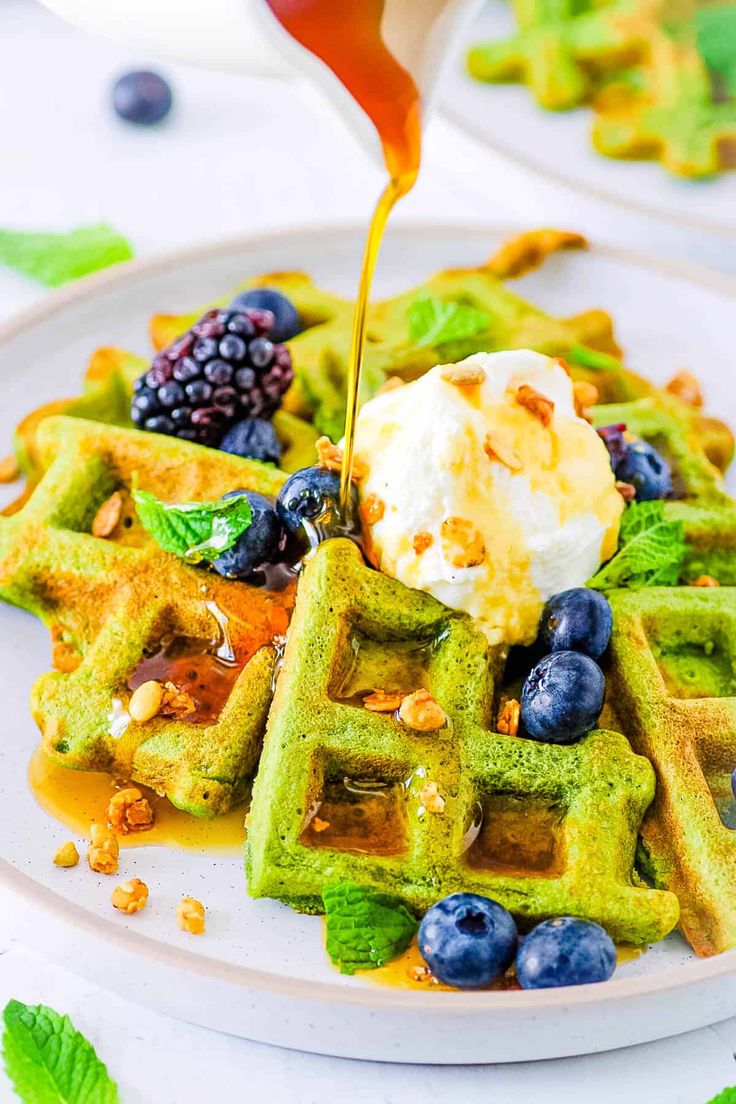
(725, 1096)
(365, 927)
(195, 531)
(49, 1062)
(433, 321)
(54, 259)
(651, 550)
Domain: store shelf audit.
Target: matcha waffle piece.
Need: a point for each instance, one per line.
(562, 47)
(347, 794)
(122, 611)
(674, 118)
(673, 679)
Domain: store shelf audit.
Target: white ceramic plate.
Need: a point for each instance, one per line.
(260, 971)
(556, 145)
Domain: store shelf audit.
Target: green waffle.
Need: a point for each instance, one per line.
(110, 601)
(673, 678)
(355, 629)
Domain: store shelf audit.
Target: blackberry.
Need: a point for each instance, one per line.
(222, 370)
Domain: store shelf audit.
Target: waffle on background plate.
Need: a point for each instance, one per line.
(619, 827)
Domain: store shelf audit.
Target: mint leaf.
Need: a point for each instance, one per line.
(651, 550)
(594, 359)
(365, 928)
(54, 259)
(726, 1096)
(716, 38)
(49, 1062)
(434, 322)
(194, 530)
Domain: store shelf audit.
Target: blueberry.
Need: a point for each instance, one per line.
(254, 438)
(142, 97)
(565, 951)
(287, 323)
(562, 697)
(258, 545)
(646, 470)
(577, 620)
(312, 495)
(467, 940)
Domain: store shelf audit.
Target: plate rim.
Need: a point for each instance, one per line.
(248, 977)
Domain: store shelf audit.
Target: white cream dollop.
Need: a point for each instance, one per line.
(482, 504)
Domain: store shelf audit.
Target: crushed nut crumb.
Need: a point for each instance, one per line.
(626, 490)
(420, 712)
(130, 896)
(463, 375)
(420, 973)
(176, 702)
(330, 456)
(705, 581)
(145, 701)
(497, 447)
(462, 544)
(66, 855)
(381, 701)
(129, 811)
(391, 384)
(319, 825)
(538, 405)
(421, 542)
(190, 915)
(686, 387)
(108, 515)
(509, 717)
(431, 798)
(584, 396)
(372, 509)
(9, 469)
(103, 853)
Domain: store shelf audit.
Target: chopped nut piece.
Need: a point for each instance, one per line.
(562, 363)
(319, 825)
(67, 854)
(190, 915)
(420, 973)
(462, 544)
(497, 447)
(103, 853)
(420, 712)
(9, 469)
(463, 375)
(626, 490)
(382, 702)
(508, 718)
(391, 384)
(421, 542)
(129, 811)
(373, 509)
(130, 896)
(705, 581)
(538, 405)
(528, 250)
(176, 702)
(145, 701)
(108, 516)
(330, 456)
(431, 798)
(584, 396)
(687, 387)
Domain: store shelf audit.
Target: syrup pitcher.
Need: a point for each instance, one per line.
(356, 53)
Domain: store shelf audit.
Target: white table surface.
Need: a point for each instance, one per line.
(244, 155)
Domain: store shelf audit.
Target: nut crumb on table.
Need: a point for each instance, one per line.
(130, 896)
(103, 853)
(190, 915)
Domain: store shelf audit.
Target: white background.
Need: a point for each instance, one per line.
(243, 155)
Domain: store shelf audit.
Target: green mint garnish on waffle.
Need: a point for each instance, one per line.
(54, 259)
(433, 321)
(651, 550)
(195, 531)
(365, 928)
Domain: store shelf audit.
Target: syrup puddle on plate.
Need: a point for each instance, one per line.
(76, 798)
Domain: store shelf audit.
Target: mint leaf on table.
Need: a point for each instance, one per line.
(365, 927)
(434, 322)
(54, 259)
(194, 530)
(49, 1062)
(651, 550)
(716, 38)
(726, 1096)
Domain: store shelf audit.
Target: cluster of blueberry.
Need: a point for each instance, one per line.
(563, 694)
(469, 941)
(637, 463)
